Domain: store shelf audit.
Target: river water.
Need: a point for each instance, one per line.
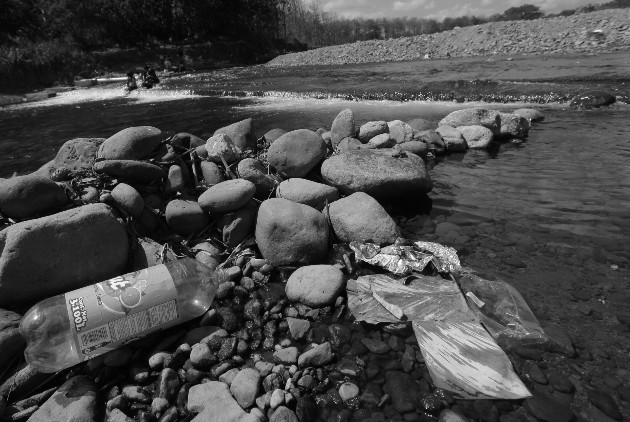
(550, 214)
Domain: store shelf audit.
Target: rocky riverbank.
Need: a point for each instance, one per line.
(276, 212)
(595, 32)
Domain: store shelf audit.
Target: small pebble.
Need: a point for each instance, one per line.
(348, 391)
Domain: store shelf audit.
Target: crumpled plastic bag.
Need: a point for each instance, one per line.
(404, 257)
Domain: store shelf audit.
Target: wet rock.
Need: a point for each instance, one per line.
(592, 99)
(560, 382)
(319, 355)
(307, 192)
(315, 285)
(375, 346)
(420, 148)
(75, 400)
(513, 125)
(221, 145)
(559, 340)
(360, 218)
(133, 143)
(128, 199)
(78, 154)
(449, 415)
(245, 387)
(283, 414)
(130, 170)
(433, 140)
(592, 414)
(211, 172)
(296, 153)
(306, 409)
(378, 174)
(214, 403)
(253, 170)
(474, 117)
(30, 195)
(289, 233)
(241, 133)
(298, 327)
(118, 357)
(530, 114)
(547, 410)
(369, 130)
(228, 348)
(202, 358)
(227, 196)
(238, 225)
(277, 398)
(604, 402)
(186, 217)
(453, 139)
(342, 127)
(167, 384)
(477, 137)
(403, 390)
(228, 319)
(56, 254)
(11, 342)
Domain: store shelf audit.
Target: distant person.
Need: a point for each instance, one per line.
(182, 59)
(151, 79)
(168, 64)
(131, 82)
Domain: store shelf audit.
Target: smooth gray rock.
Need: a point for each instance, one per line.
(76, 401)
(227, 196)
(319, 355)
(349, 144)
(185, 141)
(237, 225)
(253, 170)
(185, 217)
(473, 117)
(212, 175)
(283, 414)
(379, 174)
(221, 145)
(400, 131)
(11, 342)
(384, 140)
(130, 170)
(62, 252)
(477, 137)
(371, 129)
(241, 133)
(296, 153)
(315, 285)
(360, 218)
(288, 233)
(307, 192)
(245, 387)
(274, 134)
(214, 403)
(133, 143)
(342, 127)
(30, 195)
(420, 148)
(128, 199)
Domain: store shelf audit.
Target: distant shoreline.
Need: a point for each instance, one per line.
(595, 32)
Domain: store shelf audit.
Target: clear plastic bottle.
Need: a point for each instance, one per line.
(70, 328)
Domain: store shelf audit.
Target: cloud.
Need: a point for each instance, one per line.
(404, 5)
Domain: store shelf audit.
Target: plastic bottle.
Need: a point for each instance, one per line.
(67, 329)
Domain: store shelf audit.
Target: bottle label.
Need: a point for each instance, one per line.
(107, 315)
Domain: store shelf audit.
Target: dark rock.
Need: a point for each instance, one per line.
(11, 342)
(130, 170)
(228, 319)
(133, 143)
(241, 133)
(288, 233)
(253, 170)
(236, 226)
(379, 174)
(604, 402)
(283, 414)
(228, 348)
(128, 199)
(211, 172)
(560, 382)
(559, 340)
(547, 410)
(403, 390)
(186, 217)
(592, 99)
(315, 285)
(360, 218)
(147, 253)
(58, 253)
(296, 153)
(306, 410)
(30, 195)
(185, 141)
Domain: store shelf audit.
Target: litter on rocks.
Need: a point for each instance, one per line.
(459, 319)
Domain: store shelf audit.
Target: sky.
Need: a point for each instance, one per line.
(439, 9)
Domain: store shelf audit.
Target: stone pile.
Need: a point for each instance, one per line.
(276, 213)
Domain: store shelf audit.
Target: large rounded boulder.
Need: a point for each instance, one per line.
(227, 196)
(185, 217)
(241, 133)
(296, 153)
(315, 285)
(360, 218)
(474, 116)
(27, 196)
(385, 174)
(50, 255)
(307, 192)
(130, 170)
(514, 125)
(133, 143)
(288, 233)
